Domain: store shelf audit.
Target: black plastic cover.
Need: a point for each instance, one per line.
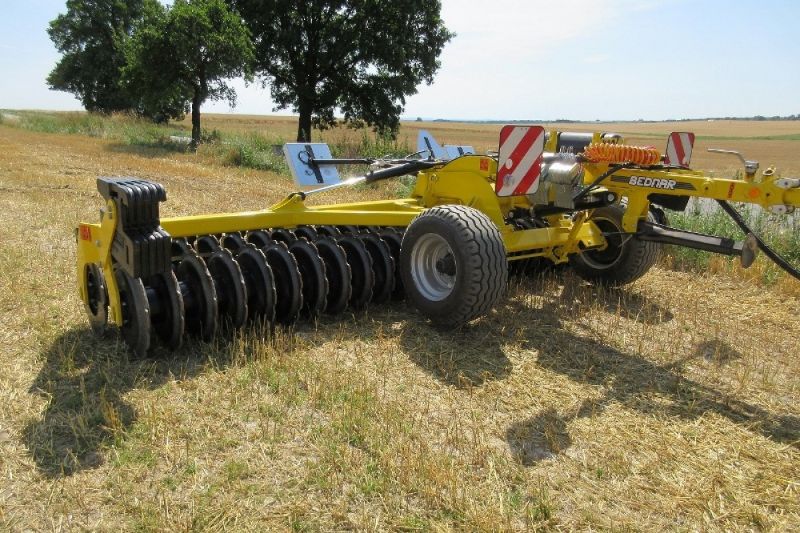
(575, 143)
(674, 203)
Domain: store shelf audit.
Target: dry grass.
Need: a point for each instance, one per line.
(671, 404)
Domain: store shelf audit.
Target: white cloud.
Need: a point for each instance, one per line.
(493, 63)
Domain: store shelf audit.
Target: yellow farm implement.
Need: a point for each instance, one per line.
(587, 199)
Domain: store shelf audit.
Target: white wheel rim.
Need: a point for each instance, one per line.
(433, 267)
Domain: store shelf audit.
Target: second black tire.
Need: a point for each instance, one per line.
(624, 260)
(453, 264)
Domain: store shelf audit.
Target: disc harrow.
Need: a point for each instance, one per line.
(581, 200)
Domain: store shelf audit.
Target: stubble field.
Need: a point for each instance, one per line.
(669, 404)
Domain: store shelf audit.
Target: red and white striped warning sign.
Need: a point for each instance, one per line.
(679, 149)
(519, 160)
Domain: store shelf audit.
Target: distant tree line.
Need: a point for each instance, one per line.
(571, 121)
(756, 117)
(355, 58)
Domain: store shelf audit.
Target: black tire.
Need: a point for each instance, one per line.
(466, 271)
(624, 260)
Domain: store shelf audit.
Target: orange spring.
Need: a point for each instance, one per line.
(622, 153)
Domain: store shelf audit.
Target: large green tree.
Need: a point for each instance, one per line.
(190, 51)
(360, 58)
(91, 36)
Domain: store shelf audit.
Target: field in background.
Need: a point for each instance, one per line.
(670, 404)
(771, 142)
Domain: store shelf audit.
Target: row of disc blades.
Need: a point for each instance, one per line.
(275, 276)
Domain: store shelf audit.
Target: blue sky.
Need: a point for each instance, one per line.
(515, 59)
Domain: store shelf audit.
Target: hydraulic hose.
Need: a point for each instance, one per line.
(643, 156)
(769, 252)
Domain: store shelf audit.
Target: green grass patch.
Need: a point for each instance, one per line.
(236, 469)
(251, 151)
(781, 233)
(123, 128)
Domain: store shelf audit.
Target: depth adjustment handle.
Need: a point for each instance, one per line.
(402, 169)
(141, 247)
(750, 166)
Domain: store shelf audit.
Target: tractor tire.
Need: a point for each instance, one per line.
(453, 264)
(626, 258)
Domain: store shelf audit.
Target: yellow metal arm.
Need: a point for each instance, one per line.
(770, 191)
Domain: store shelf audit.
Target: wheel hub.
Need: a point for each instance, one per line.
(433, 267)
(446, 265)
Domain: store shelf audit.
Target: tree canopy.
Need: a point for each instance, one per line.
(91, 35)
(187, 52)
(358, 57)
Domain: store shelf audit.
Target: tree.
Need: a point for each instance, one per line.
(360, 57)
(91, 36)
(188, 52)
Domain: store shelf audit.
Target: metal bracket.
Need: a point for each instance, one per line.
(746, 250)
(750, 166)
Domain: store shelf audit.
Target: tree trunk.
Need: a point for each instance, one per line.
(304, 124)
(196, 101)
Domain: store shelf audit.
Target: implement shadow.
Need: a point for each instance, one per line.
(625, 378)
(473, 354)
(464, 357)
(84, 379)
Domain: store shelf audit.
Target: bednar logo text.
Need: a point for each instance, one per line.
(656, 183)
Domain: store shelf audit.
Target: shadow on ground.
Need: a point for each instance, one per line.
(717, 351)
(466, 357)
(535, 316)
(538, 438)
(84, 379)
(624, 378)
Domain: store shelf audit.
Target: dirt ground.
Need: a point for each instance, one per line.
(670, 404)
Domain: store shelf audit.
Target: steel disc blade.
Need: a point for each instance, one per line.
(283, 235)
(229, 287)
(349, 230)
(288, 284)
(207, 244)
(199, 296)
(135, 326)
(96, 304)
(313, 274)
(260, 238)
(382, 266)
(259, 282)
(329, 231)
(337, 270)
(178, 248)
(233, 242)
(393, 239)
(169, 322)
(362, 279)
(306, 232)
